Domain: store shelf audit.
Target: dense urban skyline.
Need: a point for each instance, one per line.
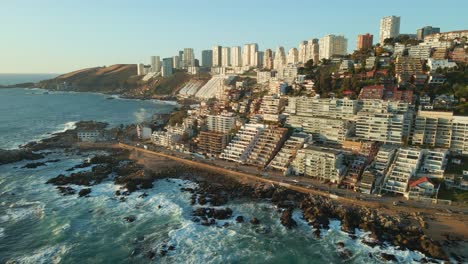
(68, 36)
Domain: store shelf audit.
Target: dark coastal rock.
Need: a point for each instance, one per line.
(433, 248)
(220, 214)
(65, 190)
(84, 192)
(53, 160)
(34, 165)
(171, 247)
(388, 257)
(254, 221)
(202, 200)
(130, 218)
(190, 190)
(345, 254)
(143, 195)
(86, 178)
(240, 219)
(150, 254)
(286, 219)
(10, 156)
(317, 233)
(82, 165)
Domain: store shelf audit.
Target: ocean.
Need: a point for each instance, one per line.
(38, 225)
(16, 78)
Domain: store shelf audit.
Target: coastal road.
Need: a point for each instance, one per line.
(299, 184)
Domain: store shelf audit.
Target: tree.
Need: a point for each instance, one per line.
(309, 64)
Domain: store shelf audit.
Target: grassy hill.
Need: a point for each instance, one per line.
(112, 79)
(121, 79)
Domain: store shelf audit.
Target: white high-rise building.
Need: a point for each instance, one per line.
(268, 59)
(217, 56)
(389, 28)
(236, 59)
(253, 52)
(189, 58)
(140, 69)
(312, 51)
(246, 55)
(155, 64)
(293, 56)
(176, 62)
(223, 123)
(225, 56)
(302, 52)
(280, 59)
(331, 45)
(259, 56)
(250, 55)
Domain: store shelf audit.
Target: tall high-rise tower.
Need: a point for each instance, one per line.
(389, 28)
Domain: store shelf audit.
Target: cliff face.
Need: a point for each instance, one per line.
(112, 79)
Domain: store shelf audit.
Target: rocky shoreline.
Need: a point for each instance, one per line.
(215, 191)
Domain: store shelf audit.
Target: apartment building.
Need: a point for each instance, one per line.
(381, 127)
(288, 152)
(268, 59)
(355, 167)
(459, 141)
(367, 183)
(364, 148)
(268, 143)
(271, 107)
(384, 158)
(325, 130)
(332, 45)
(324, 164)
(389, 28)
(222, 123)
(288, 73)
(434, 163)
(459, 55)
(241, 145)
(165, 139)
(422, 52)
(331, 107)
(434, 64)
(405, 165)
(279, 59)
(406, 67)
(421, 33)
(384, 106)
(216, 56)
(364, 42)
(371, 62)
(212, 143)
(264, 77)
(440, 54)
(433, 128)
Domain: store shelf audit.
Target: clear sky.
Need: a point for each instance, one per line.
(57, 36)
